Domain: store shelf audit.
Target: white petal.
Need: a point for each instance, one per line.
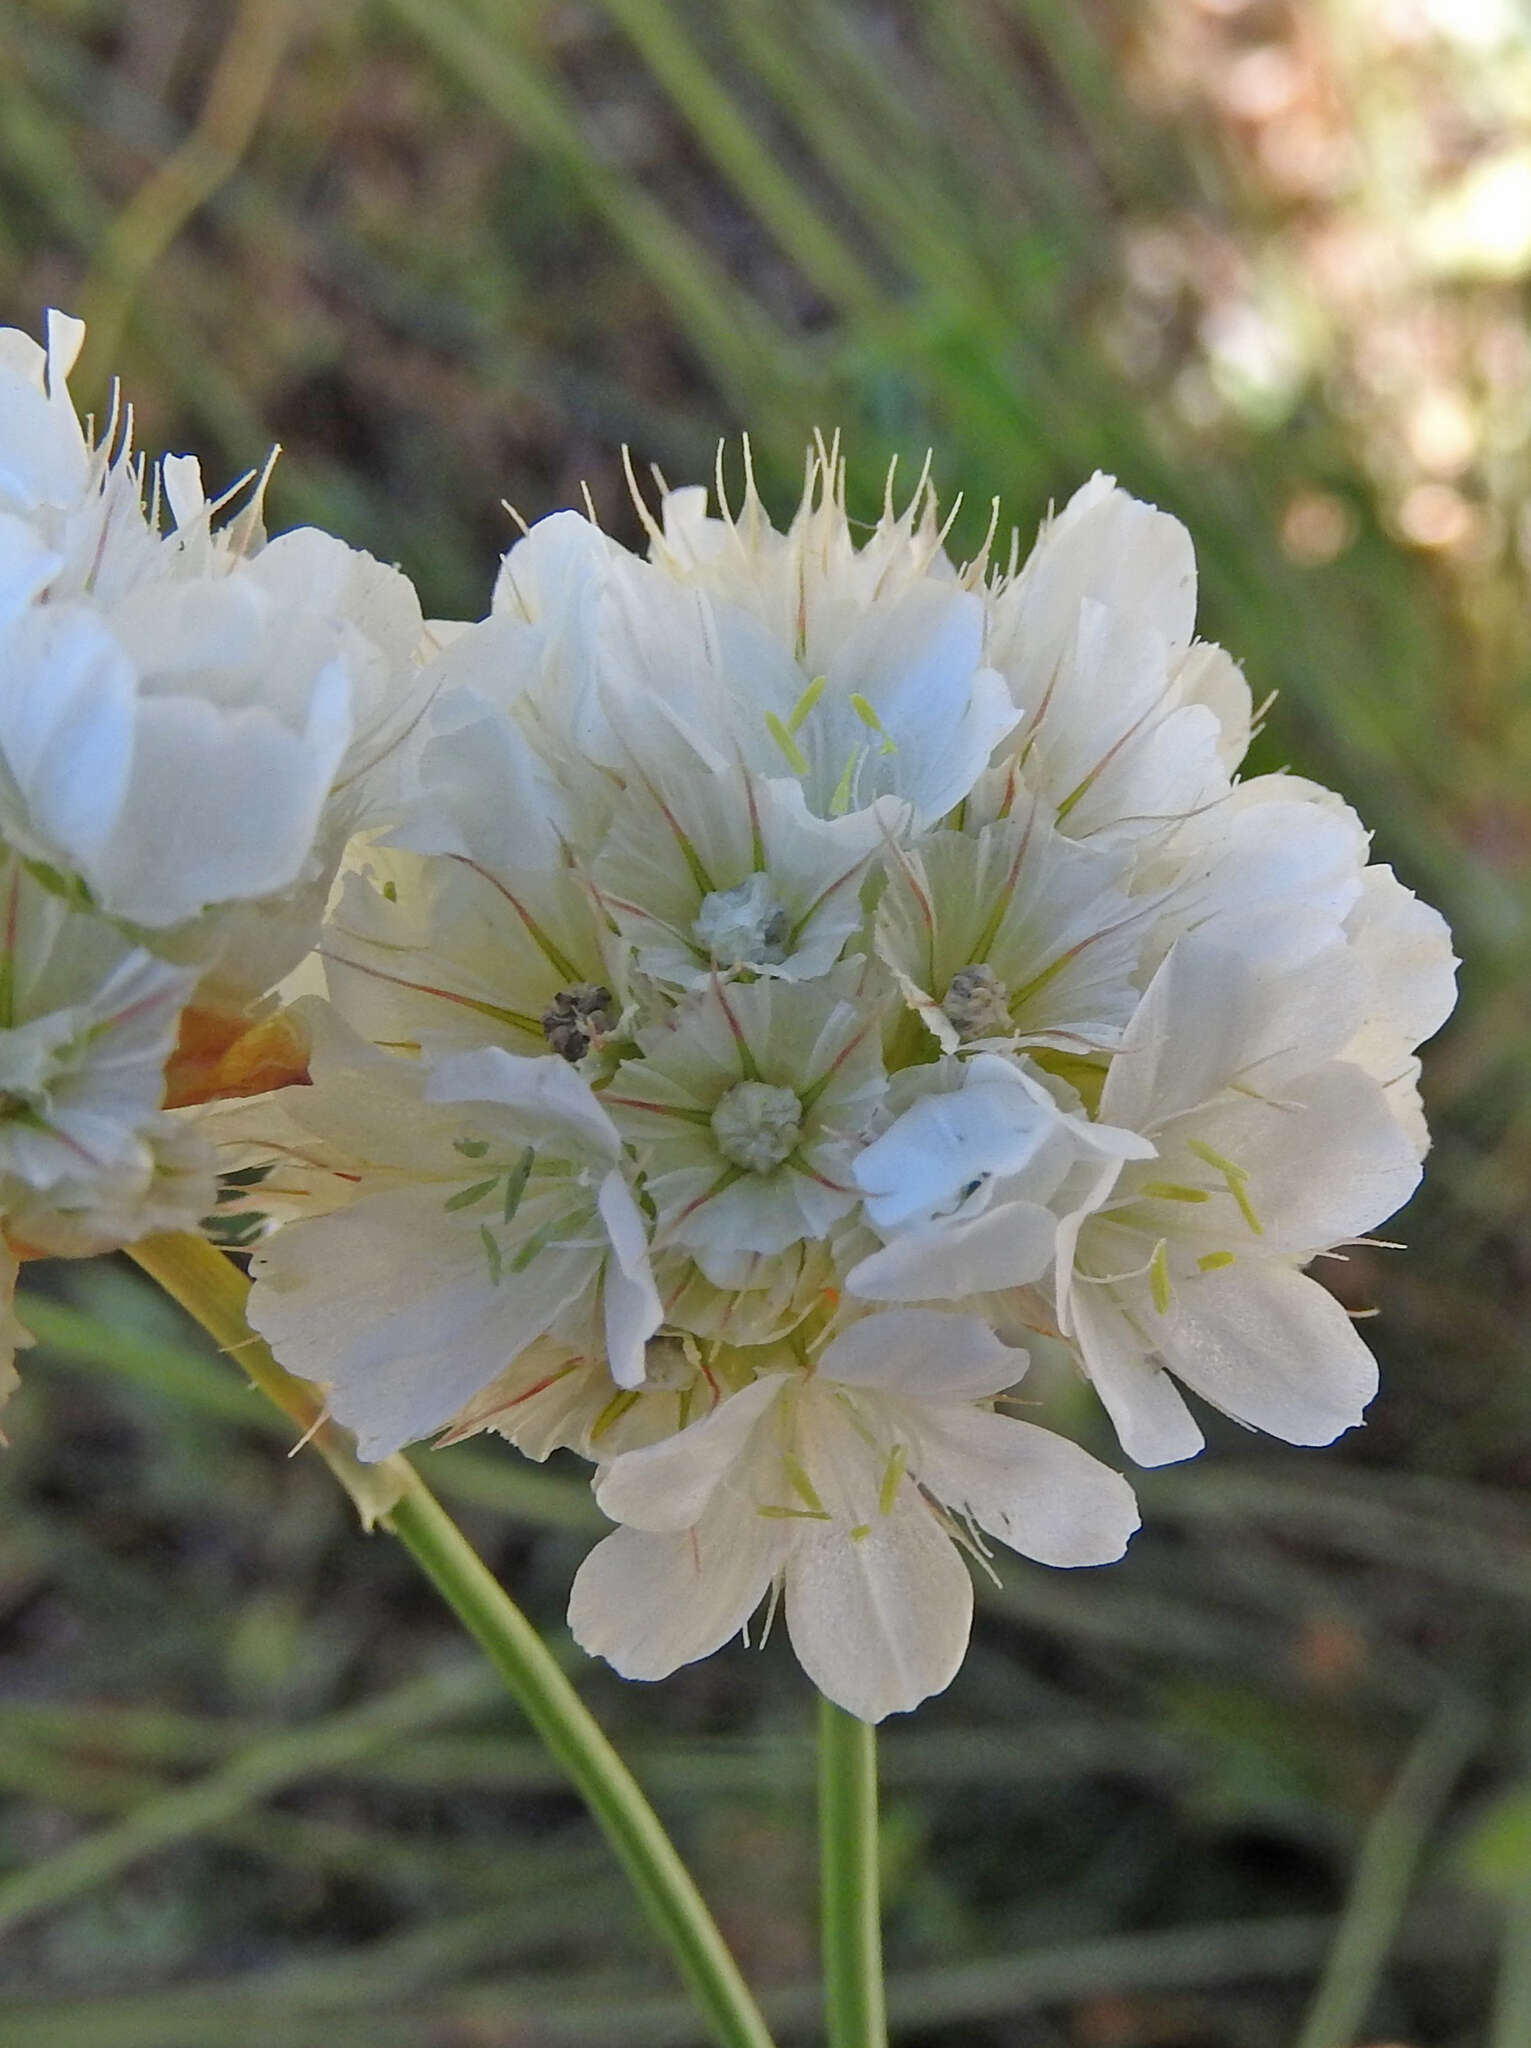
(923, 1353)
(1327, 1162)
(633, 1310)
(546, 1090)
(942, 1143)
(1252, 1007)
(1038, 1492)
(649, 1603)
(1207, 675)
(386, 1304)
(221, 803)
(1273, 1349)
(66, 731)
(1154, 1425)
(27, 564)
(880, 1624)
(668, 1485)
(1407, 949)
(1009, 1245)
(1116, 551)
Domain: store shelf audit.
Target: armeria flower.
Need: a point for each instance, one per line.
(850, 1487)
(968, 1183)
(87, 1023)
(88, 1159)
(882, 700)
(447, 952)
(1013, 935)
(554, 1396)
(189, 718)
(489, 1201)
(68, 512)
(1268, 1150)
(745, 1110)
(1126, 725)
(730, 871)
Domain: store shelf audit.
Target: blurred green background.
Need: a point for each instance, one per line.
(1268, 1781)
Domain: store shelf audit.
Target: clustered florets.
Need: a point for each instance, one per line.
(769, 983)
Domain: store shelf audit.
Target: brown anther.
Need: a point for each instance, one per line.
(576, 1017)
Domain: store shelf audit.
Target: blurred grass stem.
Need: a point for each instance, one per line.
(1384, 1873)
(265, 1768)
(237, 97)
(849, 1916)
(210, 1288)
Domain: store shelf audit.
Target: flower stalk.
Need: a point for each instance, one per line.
(854, 2003)
(212, 1290)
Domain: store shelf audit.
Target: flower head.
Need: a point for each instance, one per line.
(794, 959)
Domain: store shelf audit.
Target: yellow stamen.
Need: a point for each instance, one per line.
(806, 702)
(840, 802)
(1235, 1177)
(796, 758)
(872, 722)
(892, 1478)
(801, 1484)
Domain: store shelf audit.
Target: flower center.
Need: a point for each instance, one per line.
(757, 1126)
(666, 1367)
(744, 926)
(977, 1002)
(575, 1017)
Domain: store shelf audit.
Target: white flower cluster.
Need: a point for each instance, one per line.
(192, 724)
(804, 969)
(767, 984)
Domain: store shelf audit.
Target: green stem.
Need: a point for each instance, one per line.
(854, 2004)
(210, 1288)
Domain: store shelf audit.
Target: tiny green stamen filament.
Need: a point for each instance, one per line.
(516, 1179)
(613, 1412)
(466, 1197)
(1235, 1178)
(797, 759)
(1159, 1277)
(1173, 1191)
(1213, 1262)
(873, 723)
(1224, 1165)
(806, 702)
(544, 1235)
(801, 1484)
(892, 1478)
(840, 802)
(492, 1253)
(1240, 1194)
